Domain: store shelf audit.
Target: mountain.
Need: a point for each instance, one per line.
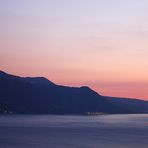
(33, 80)
(38, 95)
(134, 105)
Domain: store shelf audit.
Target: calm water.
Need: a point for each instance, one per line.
(46, 131)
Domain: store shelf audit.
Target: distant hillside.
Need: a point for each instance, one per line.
(38, 95)
(130, 104)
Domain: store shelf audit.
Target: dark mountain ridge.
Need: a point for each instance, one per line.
(33, 80)
(38, 95)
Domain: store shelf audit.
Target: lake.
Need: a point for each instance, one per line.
(49, 131)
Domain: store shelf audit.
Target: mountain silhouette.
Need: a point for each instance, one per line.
(38, 95)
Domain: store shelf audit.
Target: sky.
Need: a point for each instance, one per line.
(99, 43)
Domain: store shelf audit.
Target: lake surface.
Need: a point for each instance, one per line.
(47, 131)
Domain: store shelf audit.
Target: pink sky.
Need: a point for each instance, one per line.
(102, 44)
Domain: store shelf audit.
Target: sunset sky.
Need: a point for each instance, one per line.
(99, 43)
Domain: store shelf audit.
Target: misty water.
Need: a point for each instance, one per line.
(47, 131)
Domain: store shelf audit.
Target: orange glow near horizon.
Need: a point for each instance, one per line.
(92, 43)
(125, 89)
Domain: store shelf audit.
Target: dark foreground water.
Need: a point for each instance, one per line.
(45, 131)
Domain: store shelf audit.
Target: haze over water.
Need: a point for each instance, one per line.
(104, 131)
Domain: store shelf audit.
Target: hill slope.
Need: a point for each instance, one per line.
(38, 95)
